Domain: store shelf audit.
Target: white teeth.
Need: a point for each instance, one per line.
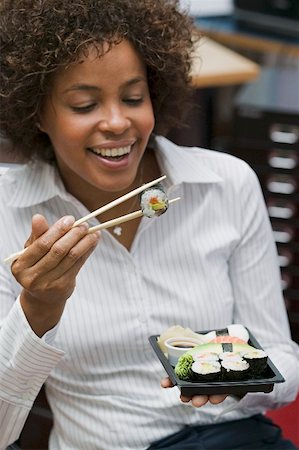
(120, 151)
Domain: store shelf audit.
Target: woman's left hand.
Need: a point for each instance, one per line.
(196, 400)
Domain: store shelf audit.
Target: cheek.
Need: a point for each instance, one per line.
(66, 131)
(147, 121)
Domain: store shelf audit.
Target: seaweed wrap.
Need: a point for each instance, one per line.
(257, 360)
(206, 371)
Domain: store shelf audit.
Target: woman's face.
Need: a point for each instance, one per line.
(99, 117)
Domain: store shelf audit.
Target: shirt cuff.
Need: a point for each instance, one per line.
(49, 336)
(25, 359)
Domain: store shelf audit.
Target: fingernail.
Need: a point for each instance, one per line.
(68, 221)
(98, 235)
(84, 225)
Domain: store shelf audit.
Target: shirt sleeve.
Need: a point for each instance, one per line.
(25, 363)
(259, 302)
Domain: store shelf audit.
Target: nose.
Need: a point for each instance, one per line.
(114, 120)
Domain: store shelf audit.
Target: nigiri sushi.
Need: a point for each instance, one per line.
(236, 330)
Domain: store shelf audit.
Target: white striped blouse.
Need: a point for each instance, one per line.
(208, 262)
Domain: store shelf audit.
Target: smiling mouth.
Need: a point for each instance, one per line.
(111, 153)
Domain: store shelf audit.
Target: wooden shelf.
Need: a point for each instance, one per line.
(215, 65)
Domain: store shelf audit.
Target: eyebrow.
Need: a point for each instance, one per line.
(89, 87)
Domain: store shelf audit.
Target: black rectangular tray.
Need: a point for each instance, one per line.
(190, 388)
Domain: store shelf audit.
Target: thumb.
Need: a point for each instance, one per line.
(39, 227)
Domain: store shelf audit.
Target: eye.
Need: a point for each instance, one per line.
(84, 109)
(133, 101)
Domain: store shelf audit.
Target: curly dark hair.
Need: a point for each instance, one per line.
(40, 36)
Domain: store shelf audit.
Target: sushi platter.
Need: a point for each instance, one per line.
(212, 362)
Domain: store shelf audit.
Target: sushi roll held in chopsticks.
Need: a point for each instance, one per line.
(154, 201)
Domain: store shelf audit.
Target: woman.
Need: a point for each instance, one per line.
(88, 91)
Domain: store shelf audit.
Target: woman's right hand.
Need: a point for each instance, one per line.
(47, 270)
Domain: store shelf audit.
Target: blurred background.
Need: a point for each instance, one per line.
(246, 102)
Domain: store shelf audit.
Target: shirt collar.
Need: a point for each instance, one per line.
(183, 164)
(179, 164)
(34, 183)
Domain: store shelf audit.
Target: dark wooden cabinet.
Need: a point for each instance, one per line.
(266, 135)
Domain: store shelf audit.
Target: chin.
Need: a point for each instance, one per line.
(118, 184)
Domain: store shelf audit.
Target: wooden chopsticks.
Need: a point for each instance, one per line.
(110, 223)
(119, 200)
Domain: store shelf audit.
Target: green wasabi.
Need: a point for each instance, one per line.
(183, 367)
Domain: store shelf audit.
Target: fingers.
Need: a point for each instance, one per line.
(67, 281)
(42, 245)
(71, 250)
(215, 399)
(39, 227)
(74, 270)
(201, 400)
(53, 277)
(48, 268)
(66, 250)
(69, 255)
(196, 400)
(166, 383)
(52, 254)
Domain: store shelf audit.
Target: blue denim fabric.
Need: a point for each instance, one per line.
(255, 433)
